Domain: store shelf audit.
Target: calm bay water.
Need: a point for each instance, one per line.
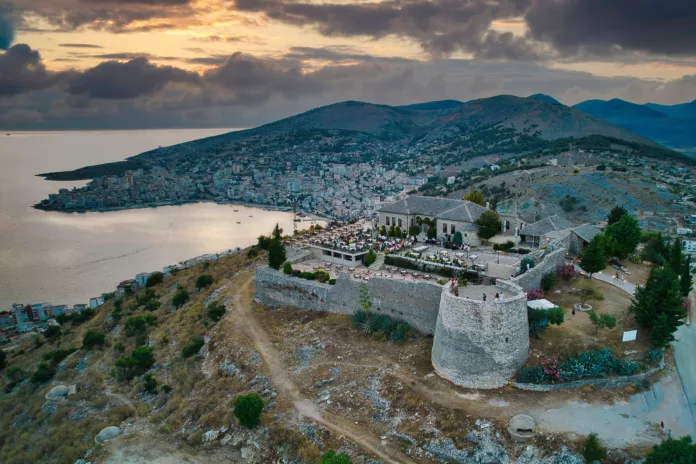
(68, 258)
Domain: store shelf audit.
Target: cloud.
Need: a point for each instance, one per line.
(6, 27)
(606, 27)
(113, 80)
(140, 2)
(230, 38)
(78, 45)
(21, 71)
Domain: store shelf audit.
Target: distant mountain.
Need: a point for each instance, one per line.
(673, 126)
(617, 109)
(545, 98)
(682, 110)
(436, 105)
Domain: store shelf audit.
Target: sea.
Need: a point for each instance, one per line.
(66, 258)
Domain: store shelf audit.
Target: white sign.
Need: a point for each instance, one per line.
(630, 335)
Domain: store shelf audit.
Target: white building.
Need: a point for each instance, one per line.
(684, 231)
(689, 246)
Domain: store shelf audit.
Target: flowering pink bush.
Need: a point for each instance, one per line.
(551, 369)
(566, 272)
(535, 294)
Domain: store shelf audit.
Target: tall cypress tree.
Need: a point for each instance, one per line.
(658, 305)
(675, 257)
(593, 258)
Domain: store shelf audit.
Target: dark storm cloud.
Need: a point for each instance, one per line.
(139, 2)
(440, 26)
(665, 27)
(113, 80)
(6, 27)
(21, 71)
(78, 45)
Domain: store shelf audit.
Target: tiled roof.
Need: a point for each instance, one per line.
(440, 208)
(586, 232)
(546, 225)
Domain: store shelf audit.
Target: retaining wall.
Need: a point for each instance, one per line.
(480, 345)
(532, 278)
(611, 382)
(274, 288)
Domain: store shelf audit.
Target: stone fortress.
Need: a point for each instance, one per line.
(476, 344)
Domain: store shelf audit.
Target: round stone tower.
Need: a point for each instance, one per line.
(481, 345)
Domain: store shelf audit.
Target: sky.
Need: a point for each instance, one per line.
(123, 64)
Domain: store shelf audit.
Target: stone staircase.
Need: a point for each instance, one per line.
(379, 263)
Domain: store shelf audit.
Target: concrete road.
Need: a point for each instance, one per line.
(684, 350)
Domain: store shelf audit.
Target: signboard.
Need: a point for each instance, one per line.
(630, 336)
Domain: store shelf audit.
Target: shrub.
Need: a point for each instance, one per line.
(399, 333)
(276, 254)
(44, 372)
(330, 457)
(654, 356)
(296, 273)
(548, 281)
(672, 451)
(149, 384)
(592, 449)
(216, 310)
(52, 334)
(204, 281)
(287, 268)
(136, 326)
(252, 253)
(180, 298)
(192, 348)
(587, 364)
(93, 338)
(507, 246)
(308, 275)
(370, 257)
(248, 409)
(321, 276)
(535, 294)
(566, 271)
(527, 264)
(137, 363)
(357, 318)
(154, 279)
(332, 281)
(533, 374)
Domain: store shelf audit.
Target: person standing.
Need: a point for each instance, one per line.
(484, 297)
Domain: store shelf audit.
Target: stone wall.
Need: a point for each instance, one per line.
(414, 302)
(480, 345)
(273, 288)
(610, 382)
(532, 278)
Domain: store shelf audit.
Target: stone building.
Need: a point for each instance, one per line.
(447, 216)
(535, 233)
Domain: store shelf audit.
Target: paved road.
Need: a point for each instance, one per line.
(608, 278)
(684, 349)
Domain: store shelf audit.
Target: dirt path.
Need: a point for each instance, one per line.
(108, 391)
(305, 408)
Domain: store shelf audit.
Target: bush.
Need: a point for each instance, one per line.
(276, 254)
(154, 279)
(136, 326)
(548, 281)
(592, 450)
(216, 310)
(44, 372)
(252, 253)
(192, 348)
(370, 257)
(248, 409)
(52, 334)
(204, 281)
(321, 276)
(149, 384)
(180, 298)
(672, 451)
(330, 457)
(527, 264)
(566, 271)
(399, 333)
(287, 268)
(507, 246)
(654, 356)
(535, 294)
(137, 363)
(332, 281)
(296, 273)
(93, 338)
(308, 275)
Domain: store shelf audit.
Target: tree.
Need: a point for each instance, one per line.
(397, 232)
(180, 298)
(204, 281)
(588, 291)
(655, 248)
(457, 239)
(276, 254)
(44, 372)
(658, 305)
(154, 279)
(370, 257)
(624, 235)
(475, 197)
(149, 384)
(556, 316)
(277, 232)
(673, 451)
(548, 281)
(615, 214)
(413, 231)
(216, 310)
(330, 457)
(383, 231)
(593, 450)
(93, 338)
(138, 362)
(527, 264)
(3, 360)
(593, 257)
(248, 409)
(264, 242)
(676, 261)
(602, 321)
(686, 280)
(192, 348)
(489, 224)
(52, 333)
(287, 268)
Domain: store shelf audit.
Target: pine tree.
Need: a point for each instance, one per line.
(593, 258)
(658, 305)
(686, 280)
(276, 254)
(675, 257)
(475, 197)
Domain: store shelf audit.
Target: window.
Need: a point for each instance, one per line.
(466, 235)
(387, 220)
(444, 228)
(393, 220)
(452, 229)
(413, 222)
(400, 225)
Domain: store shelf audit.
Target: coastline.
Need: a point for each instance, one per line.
(284, 209)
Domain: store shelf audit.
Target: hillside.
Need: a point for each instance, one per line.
(543, 97)
(672, 126)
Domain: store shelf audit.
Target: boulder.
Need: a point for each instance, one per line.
(522, 428)
(108, 433)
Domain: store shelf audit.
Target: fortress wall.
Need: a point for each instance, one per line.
(417, 303)
(273, 288)
(532, 278)
(480, 345)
